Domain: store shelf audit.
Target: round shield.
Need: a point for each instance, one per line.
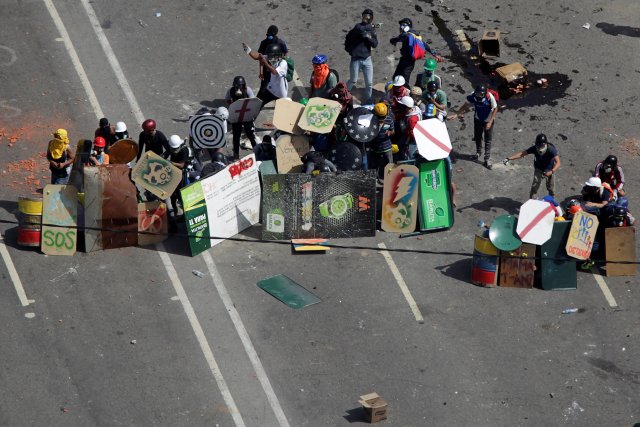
(361, 124)
(207, 131)
(346, 156)
(123, 151)
(502, 233)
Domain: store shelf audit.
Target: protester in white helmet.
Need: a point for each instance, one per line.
(408, 116)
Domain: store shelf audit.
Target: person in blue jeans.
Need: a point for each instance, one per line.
(486, 107)
(358, 43)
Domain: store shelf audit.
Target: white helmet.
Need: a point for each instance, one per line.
(121, 127)
(175, 141)
(593, 182)
(222, 112)
(407, 101)
(398, 81)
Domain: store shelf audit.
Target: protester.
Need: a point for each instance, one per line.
(60, 157)
(545, 164)
(428, 74)
(323, 78)
(341, 94)
(435, 96)
(596, 195)
(270, 39)
(620, 217)
(397, 92)
(407, 62)
(358, 43)
(178, 155)
(240, 90)
(121, 131)
(265, 150)
(416, 94)
(611, 173)
(98, 156)
(408, 117)
(379, 151)
(485, 107)
(151, 139)
(106, 131)
(276, 67)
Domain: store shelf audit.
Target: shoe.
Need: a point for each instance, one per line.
(587, 264)
(246, 146)
(488, 164)
(476, 156)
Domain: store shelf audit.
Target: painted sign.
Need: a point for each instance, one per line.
(320, 115)
(152, 218)
(208, 131)
(222, 205)
(517, 267)
(157, 175)
(286, 116)
(289, 149)
(59, 208)
(400, 198)
(432, 139)
(535, 221)
(244, 110)
(123, 152)
(582, 235)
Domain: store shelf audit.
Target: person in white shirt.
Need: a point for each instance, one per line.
(278, 85)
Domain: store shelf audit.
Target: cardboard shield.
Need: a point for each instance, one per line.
(244, 110)
(582, 235)
(207, 131)
(320, 115)
(286, 116)
(502, 233)
(346, 156)
(620, 244)
(60, 211)
(122, 152)
(155, 174)
(400, 198)
(535, 222)
(361, 124)
(432, 139)
(289, 150)
(152, 218)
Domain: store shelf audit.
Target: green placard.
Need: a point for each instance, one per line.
(558, 273)
(195, 215)
(287, 291)
(436, 211)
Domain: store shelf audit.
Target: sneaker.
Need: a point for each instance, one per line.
(488, 164)
(246, 146)
(476, 156)
(587, 264)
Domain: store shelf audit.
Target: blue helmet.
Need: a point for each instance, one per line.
(319, 59)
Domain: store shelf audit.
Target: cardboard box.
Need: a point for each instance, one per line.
(489, 44)
(513, 73)
(375, 407)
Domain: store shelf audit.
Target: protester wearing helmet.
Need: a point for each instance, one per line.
(610, 172)
(486, 108)
(379, 152)
(151, 139)
(407, 62)
(432, 95)
(408, 117)
(240, 90)
(416, 94)
(271, 38)
(98, 156)
(573, 207)
(397, 92)
(106, 131)
(358, 43)
(596, 195)
(619, 218)
(545, 164)
(276, 68)
(323, 79)
(121, 131)
(428, 74)
(60, 157)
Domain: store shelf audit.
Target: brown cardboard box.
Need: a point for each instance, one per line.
(375, 407)
(513, 73)
(489, 44)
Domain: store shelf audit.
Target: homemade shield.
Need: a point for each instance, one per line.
(400, 198)
(286, 116)
(155, 174)
(436, 210)
(346, 156)
(502, 233)
(122, 152)
(207, 131)
(535, 221)
(361, 124)
(582, 235)
(320, 115)
(620, 244)
(152, 218)
(244, 110)
(289, 150)
(517, 267)
(432, 139)
(287, 291)
(60, 211)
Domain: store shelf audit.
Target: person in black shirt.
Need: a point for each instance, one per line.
(272, 38)
(107, 131)
(151, 139)
(358, 43)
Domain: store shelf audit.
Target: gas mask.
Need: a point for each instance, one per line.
(237, 91)
(608, 168)
(479, 96)
(542, 149)
(404, 28)
(273, 60)
(366, 18)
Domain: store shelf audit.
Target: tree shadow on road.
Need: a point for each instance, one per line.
(509, 205)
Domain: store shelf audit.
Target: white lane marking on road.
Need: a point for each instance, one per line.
(604, 288)
(113, 61)
(401, 283)
(75, 60)
(202, 339)
(13, 273)
(246, 340)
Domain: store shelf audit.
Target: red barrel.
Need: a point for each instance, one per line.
(29, 236)
(29, 221)
(484, 270)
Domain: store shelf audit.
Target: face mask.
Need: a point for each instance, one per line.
(367, 18)
(269, 37)
(542, 150)
(404, 28)
(608, 169)
(274, 61)
(479, 97)
(238, 92)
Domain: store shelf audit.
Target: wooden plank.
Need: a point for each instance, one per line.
(59, 208)
(518, 272)
(620, 244)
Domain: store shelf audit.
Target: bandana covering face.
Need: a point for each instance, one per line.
(320, 74)
(59, 143)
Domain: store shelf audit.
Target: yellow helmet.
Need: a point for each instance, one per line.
(380, 109)
(395, 149)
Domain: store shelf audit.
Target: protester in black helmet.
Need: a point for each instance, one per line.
(271, 38)
(611, 173)
(151, 139)
(545, 164)
(240, 90)
(407, 62)
(273, 61)
(358, 43)
(486, 108)
(107, 131)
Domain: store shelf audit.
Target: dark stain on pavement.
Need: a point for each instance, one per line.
(618, 30)
(612, 369)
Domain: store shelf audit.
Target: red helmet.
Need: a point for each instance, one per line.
(149, 125)
(99, 142)
(574, 209)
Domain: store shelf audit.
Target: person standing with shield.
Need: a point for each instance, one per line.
(240, 90)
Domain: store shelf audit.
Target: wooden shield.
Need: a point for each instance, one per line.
(432, 139)
(320, 115)
(155, 174)
(122, 152)
(59, 208)
(400, 198)
(244, 110)
(289, 149)
(286, 116)
(620, 244)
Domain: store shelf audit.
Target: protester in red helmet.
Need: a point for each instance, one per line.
(98, 156)
(151, 139)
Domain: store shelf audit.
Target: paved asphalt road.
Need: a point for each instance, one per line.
(132, 337)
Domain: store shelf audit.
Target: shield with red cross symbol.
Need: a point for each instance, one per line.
(244, 110)
(535, 221)
(432, 139)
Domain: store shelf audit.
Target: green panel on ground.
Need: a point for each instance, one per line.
(436, 211)
(558, 273)
(288, 291)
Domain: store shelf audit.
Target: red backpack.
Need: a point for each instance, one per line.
(495, 94)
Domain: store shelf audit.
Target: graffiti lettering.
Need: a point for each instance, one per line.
(237, 168)
(59, 239)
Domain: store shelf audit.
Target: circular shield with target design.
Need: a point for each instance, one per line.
(207, 131)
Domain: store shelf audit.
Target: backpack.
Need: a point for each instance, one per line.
(335, 73)
(418, 48)
(291, 66)
(495, 94)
